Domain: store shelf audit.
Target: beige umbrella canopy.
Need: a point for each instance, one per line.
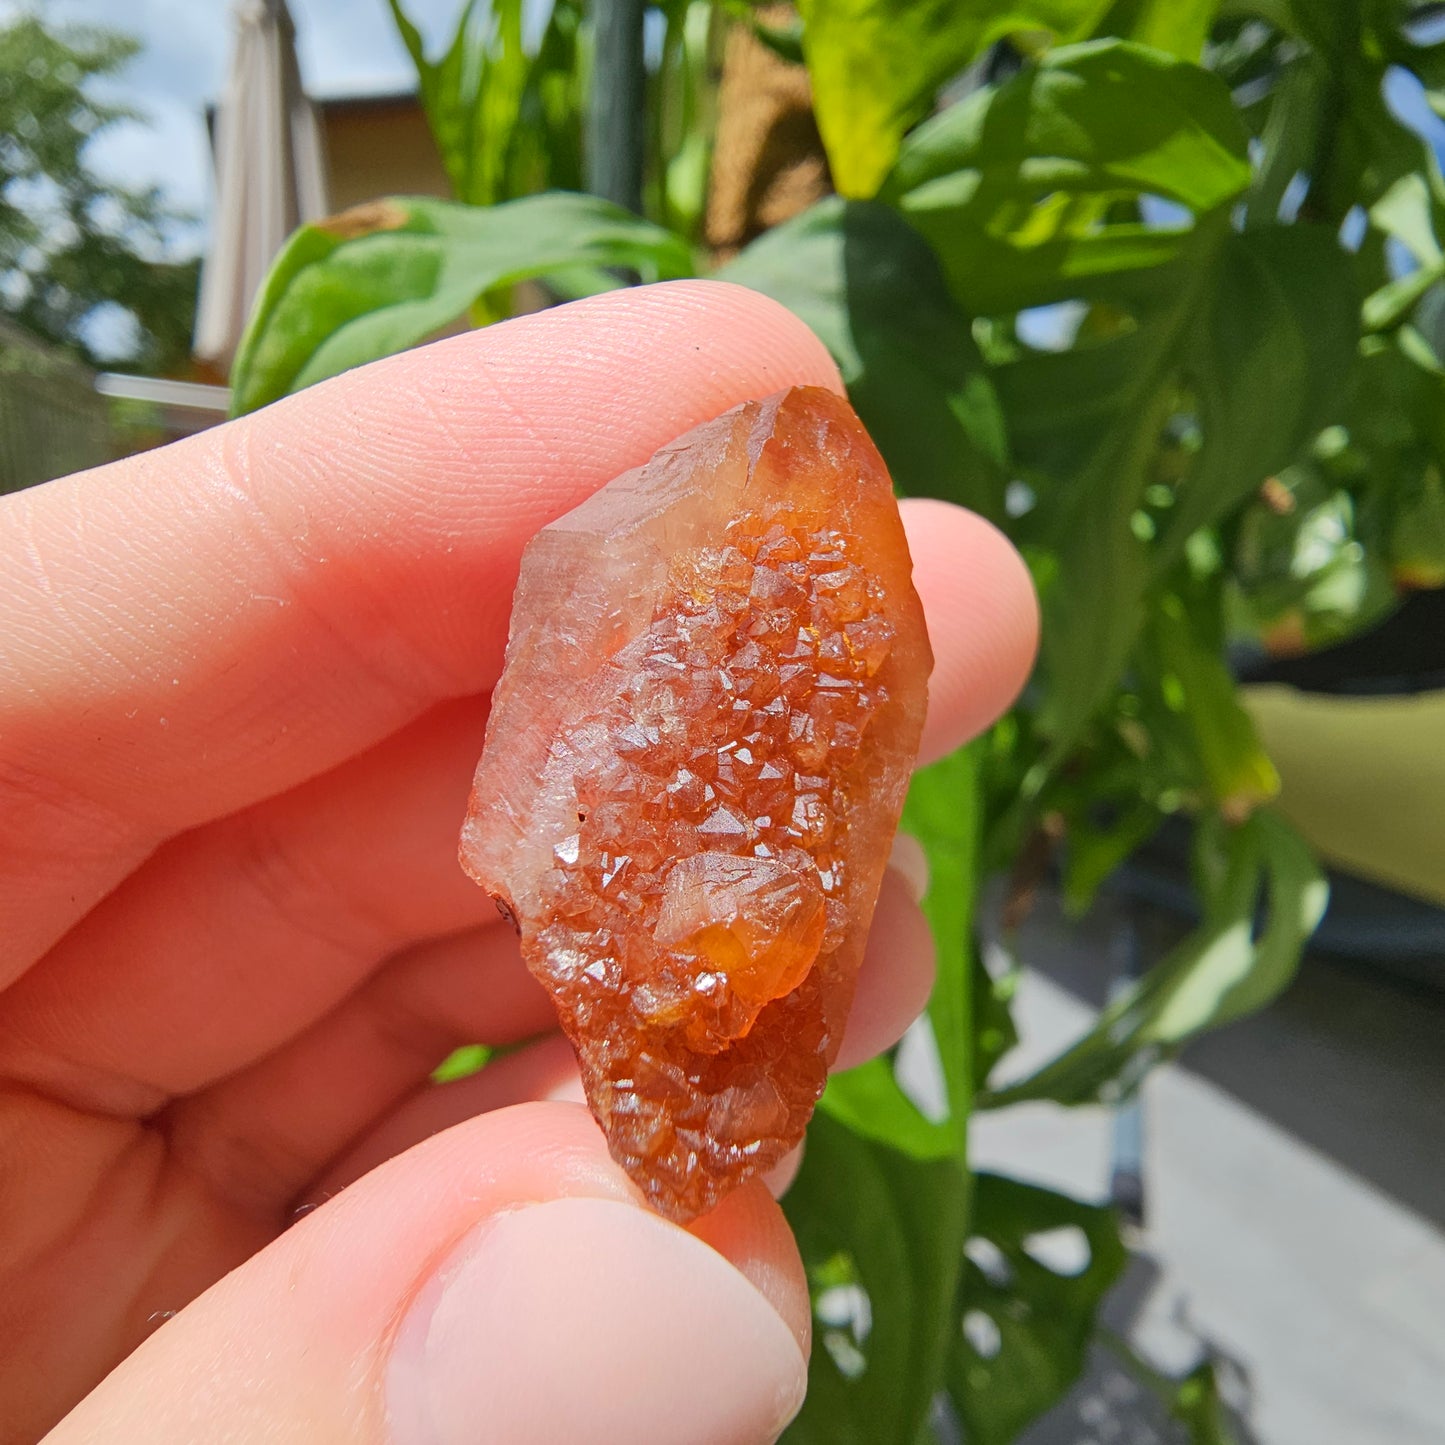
(270, 172)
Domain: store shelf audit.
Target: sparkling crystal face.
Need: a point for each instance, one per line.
(714, 796)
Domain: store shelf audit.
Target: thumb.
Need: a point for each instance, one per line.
(500, 1282)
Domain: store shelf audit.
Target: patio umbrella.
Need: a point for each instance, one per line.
(270, 173)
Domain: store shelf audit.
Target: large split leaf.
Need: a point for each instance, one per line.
(871, 289)
(1014, 186)
(875, 65)
(1262, 896)
(1025, 1322)
(1247, 352)
(881, 1237)
(388, 275)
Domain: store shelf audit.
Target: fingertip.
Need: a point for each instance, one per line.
(983, 620)
(505, 1272)
(749, 1231)
(909, 859)
(519, 1328)
(776, 340)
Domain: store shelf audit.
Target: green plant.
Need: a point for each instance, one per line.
(1162, 297)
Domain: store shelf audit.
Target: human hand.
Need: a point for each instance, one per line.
(243, 685)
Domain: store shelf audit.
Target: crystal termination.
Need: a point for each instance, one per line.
(695, 762)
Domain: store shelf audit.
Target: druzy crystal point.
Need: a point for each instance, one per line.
(695, 763)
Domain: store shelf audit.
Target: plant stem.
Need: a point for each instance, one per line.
(1145, 1374)
(617, 115)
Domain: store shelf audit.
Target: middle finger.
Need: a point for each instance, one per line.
(234, 938)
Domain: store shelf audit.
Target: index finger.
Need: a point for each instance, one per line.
(197, 628)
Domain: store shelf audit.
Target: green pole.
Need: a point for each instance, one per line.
(617, 110)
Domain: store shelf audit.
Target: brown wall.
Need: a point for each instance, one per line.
(379, 147)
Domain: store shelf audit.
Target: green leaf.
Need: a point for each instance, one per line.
(871, 290)
(1289, 136)
(785, 40)
(1221, 382)
(450, 95)
(461, 1063)
(1355, 148)
(1228, 967)
(387, 275)
(1412, 212)
(1095, 851)
(1013, 187)
(881, 1237)
(944, 813)
(1178, 26)
(503, 120)
(869, 1100)
(1198, 1407)
(683, 115)
(1025, 1327)
(880, 1205)
(1305, 574)
(1268, 363)
(1409, 211)
(875, 65)
(1194, 1401)
(1417, 530)
(1193, 697)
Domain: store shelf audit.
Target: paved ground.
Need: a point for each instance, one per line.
(1295, 1171)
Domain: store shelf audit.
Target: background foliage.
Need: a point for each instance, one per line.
(1157, 285)
(72, 244)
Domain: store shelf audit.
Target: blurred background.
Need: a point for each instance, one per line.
(1160, 288)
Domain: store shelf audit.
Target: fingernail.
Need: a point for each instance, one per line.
(590, 1321)
(909, 859)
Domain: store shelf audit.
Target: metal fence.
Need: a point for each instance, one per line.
(52, 421)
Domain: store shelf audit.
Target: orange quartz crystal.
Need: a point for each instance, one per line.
(695, 763)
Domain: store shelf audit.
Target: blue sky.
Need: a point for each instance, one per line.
(345, 47)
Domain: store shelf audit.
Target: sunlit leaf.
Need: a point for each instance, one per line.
(489, 101)
(1198, 1407)
(944, 813)
(385, 276)
(1013, 186)
(1411, 212)
(1178, 26)
(461, 1063)
(871, 1102)
(875, 65)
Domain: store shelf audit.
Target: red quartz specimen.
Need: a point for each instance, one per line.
(694, 767)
